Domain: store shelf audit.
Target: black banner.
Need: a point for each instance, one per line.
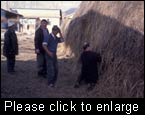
(72, 106)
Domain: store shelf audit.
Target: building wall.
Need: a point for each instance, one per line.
(53, 15)
(32, 24)
(3, 19)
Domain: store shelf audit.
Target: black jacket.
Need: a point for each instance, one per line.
(38, 39)
(89, 61)
(10, 43)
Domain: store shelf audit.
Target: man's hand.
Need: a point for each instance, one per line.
(47, 51)
(50, 54)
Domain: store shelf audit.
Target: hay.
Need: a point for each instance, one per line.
(116, 30)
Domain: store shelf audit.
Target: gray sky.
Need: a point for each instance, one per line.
(64, 5)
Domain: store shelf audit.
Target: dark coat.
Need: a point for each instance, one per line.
(89, 70)
(38, 40)
(10, 43)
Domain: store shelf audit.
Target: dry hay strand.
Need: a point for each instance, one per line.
(115, 29)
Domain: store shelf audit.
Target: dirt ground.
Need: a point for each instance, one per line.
(26, 84)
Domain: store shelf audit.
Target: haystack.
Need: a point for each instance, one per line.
(115, 29)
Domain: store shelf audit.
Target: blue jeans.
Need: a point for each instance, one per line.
(52, 69)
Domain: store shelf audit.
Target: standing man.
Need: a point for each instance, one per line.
(50, 46)
(10, 49)
(41, 34)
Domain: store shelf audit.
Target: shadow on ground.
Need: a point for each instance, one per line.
(25, 83)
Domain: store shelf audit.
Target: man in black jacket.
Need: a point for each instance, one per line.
(10, 48)
(41, 34)
(89, 70)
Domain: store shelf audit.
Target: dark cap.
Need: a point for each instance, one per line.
(86, 45)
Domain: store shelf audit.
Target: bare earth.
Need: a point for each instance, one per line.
(25, 83)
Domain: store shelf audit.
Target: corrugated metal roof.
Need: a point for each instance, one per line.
(11, 13)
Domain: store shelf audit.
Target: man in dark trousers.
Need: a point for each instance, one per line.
(50, 46)
(41, 34)
(89, 70)
(10, 48)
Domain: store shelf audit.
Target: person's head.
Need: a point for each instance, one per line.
(11, 25)
(44, 23)
(55, 30)
(86, 46)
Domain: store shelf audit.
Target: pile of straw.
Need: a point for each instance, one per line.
(115, 29)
